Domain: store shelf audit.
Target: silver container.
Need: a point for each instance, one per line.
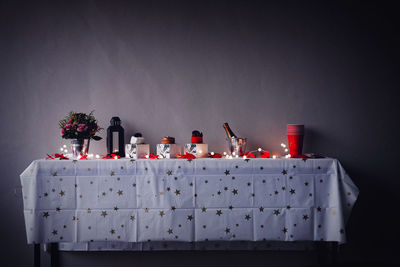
(237, 146)
(79, 147)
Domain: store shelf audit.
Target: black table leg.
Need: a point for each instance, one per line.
(36, 255)
(334, 252)
(54, 255)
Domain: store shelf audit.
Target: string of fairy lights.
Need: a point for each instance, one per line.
(260, 150)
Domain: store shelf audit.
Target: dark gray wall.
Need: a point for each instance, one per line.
(166, 68)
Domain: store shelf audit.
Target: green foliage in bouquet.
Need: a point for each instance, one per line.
(79, 126)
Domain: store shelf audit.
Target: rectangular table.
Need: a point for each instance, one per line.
(150, 204)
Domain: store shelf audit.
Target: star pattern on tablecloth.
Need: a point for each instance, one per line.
(209, 188)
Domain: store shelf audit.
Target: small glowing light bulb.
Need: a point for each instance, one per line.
(283, 145)
(244, 157)
(212, 153)
(227, 156)
(289, 156)
(200, 151)
(237, 156)
(259, 149)
(66, 150)
(64, 146)
(61, 149)
(230, 157)
(79, 157)
(97, 156)
(233, 153)
(115, 157)
(286, 150)
(147, 156)
(224, 153)
(274, 156)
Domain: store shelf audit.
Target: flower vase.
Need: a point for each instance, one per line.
(80, 147)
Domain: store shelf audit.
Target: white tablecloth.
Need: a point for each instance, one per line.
(200, 200)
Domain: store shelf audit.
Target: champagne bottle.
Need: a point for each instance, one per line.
(228, 131)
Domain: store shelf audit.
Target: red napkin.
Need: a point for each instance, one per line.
(56, 156)
(265, 154)
(186, 156)
(111, 156)
(151, 156)
(249, 155)
(215, 156)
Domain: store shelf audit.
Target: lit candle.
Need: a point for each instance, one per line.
(116, 157)
(274, 156)
(259, 149)
(147, 156)
(212, 153)
(233, 153)
(244, 157)
(97, 156)
(225, 153)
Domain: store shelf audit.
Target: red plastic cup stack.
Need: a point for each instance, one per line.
(295, 133)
